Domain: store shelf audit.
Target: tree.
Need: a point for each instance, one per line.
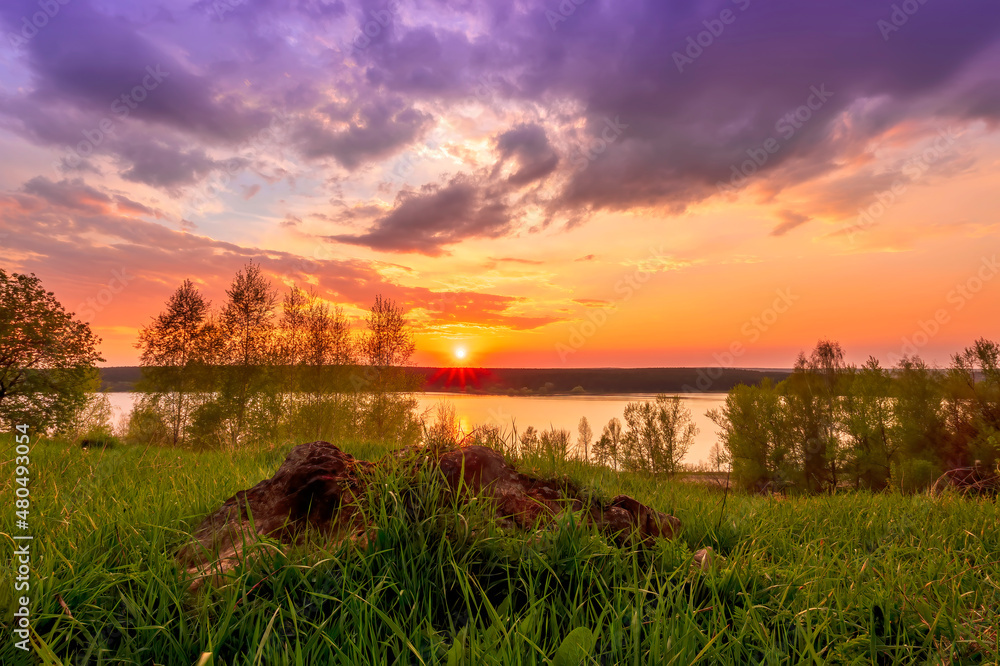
(918, 423)
(528, 441)
(388, 341)
(717, 457)
(607, 450)
(659, 435)
(811, 394)
(865, 417)
(47, 358)
(248, 318)
(756, 435)
(554, 443)
(294, 326)
(317, 350)
(173, 347)
(247, 401)
(386, 347)
(329, 337)
(327, 343)
(586, 434)
(972, 407)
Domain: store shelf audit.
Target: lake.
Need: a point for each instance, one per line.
(542, 412)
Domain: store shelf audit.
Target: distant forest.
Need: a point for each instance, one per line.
(544, 381)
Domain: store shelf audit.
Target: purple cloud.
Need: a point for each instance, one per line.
(553, 84)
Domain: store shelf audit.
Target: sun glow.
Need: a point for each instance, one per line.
(461, 353)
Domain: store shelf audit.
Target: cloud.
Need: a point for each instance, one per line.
(75, 236)
(73, 195)
(88, 58)
(433, 217)
(528, 146)
(544, 100)
(790, 221)
(592, 302)
(161, 165)
(517, 260)
(379, 129)
(487, 310)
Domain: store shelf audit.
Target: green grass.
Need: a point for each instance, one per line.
(851, 578)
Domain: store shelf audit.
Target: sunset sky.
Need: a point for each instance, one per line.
(584, 183)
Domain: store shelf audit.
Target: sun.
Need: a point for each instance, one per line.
(460, 353)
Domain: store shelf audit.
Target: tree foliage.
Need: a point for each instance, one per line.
(608, 448)
(832, 425)
(586, 435)
(47, 357)
(757, 435)
(255, 372)
(175, 349)
(658, 434)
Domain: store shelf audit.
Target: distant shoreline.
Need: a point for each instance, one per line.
(539, 382)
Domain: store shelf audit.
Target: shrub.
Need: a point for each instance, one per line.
(94, 422)
(146, 424)
(915, 475)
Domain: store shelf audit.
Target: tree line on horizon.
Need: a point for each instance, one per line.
(831, 424)
(263, 367)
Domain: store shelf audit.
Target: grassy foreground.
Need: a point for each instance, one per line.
(852, 578)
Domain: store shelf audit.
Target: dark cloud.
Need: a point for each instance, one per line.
(599, 116)
(682, 131)
(686, 129)
(72, 195)
(126, 205)
(91, 58)
(380, 129)
(529, 147)
(161, 165)
(426, 220)
(482, 205)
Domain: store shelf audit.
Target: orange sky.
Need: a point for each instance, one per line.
(444, 167)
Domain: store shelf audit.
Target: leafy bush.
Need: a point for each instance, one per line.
(146, 423)
(94, 422)
(914, 475)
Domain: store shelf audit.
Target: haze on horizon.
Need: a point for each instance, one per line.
(609, 183)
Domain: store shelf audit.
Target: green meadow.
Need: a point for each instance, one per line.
(853, 577)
